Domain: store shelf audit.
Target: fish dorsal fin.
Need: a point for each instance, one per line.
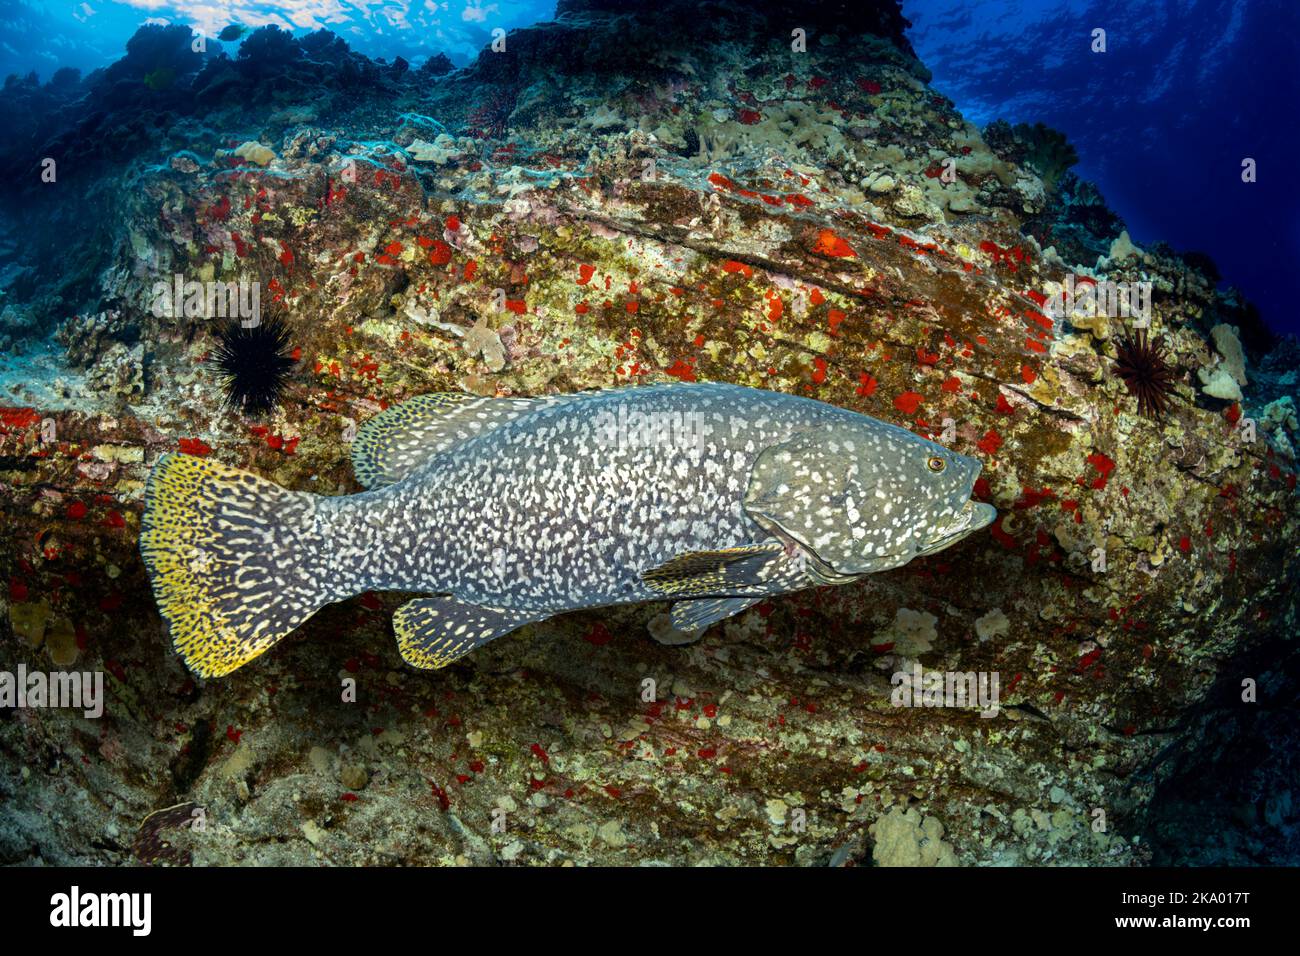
(395, 442)
(725, 571)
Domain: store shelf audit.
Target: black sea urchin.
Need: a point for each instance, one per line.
(254, 364)
(1142, 365)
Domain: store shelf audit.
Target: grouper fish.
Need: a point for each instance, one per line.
(506, 511)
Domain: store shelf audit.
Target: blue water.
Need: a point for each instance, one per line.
(43, 35)
(1162, 120)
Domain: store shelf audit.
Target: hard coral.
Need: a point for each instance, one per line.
(1039, 147)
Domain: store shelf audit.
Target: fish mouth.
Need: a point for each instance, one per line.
(973, 516)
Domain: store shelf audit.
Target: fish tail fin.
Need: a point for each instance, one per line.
(234, 560)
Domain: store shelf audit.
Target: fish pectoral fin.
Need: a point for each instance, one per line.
(710, 572)
(398, 441)
(433, 632)
(705, 612)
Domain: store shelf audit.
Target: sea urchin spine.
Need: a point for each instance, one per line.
(254, 364)
(1142, 365)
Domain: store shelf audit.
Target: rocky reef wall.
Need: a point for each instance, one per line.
(737, 192)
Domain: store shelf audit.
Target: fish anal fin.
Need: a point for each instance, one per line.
(433, 632)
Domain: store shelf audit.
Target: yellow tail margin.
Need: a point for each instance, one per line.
(232, 560)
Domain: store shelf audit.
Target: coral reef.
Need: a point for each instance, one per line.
(1041, 148)
(581, 210)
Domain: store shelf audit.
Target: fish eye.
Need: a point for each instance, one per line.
(936, 464)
